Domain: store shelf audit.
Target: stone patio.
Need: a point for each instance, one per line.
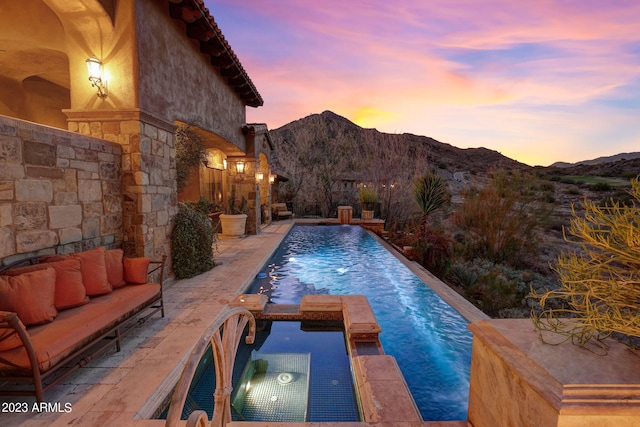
(125, 388)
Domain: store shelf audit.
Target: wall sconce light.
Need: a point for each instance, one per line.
(224, 164)
(94, 67)
(259, 176)
(272, 179)
(240, 167)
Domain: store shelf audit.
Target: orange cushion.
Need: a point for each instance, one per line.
(94, 271)
(77, 327)
(9, 338)
(70, 291)
(30, 295)
(53, 258)
(135, 270)
(115, 270)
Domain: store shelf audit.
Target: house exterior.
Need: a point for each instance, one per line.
(86, 163)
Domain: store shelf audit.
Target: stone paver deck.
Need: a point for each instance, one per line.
(115, 389)
(123, 389)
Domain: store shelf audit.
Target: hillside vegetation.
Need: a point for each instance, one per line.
(500, 227)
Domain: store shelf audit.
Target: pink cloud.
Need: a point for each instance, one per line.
(453, 68)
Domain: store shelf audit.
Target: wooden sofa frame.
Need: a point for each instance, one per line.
(99, 343)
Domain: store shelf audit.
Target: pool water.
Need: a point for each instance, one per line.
(428, 338)
(294, 372)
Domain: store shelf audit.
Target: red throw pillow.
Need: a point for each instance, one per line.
(70, 291)
(135, 270)
(94, 271)
(30, 295)
(115, 269)
(9, 338)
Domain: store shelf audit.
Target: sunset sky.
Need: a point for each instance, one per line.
(539, 81)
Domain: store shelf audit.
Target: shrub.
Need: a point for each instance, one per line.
(600, 280)
(191, 242)
(600, 186)
(190, 153)
(434, 250)
(498, 222)
(497, 289)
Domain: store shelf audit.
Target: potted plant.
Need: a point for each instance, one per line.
(233, 221)
(368, 198)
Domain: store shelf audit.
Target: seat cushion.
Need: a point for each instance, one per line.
(30, 295)
(79, 326)
(9, 338)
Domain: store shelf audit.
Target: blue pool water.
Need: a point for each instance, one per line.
(428, 338)
(323, 393)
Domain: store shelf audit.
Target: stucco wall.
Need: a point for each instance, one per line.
(57, 188)
(178, 83)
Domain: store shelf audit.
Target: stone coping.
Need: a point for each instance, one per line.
(563, 384)
(383, 393)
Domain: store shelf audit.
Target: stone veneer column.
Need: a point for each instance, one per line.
(148, 174)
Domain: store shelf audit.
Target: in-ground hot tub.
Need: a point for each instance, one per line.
(338, 361)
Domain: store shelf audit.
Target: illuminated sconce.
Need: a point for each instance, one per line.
(224, 164)
(259, 176)
(272, 179)
(94, 67)
(240, 167)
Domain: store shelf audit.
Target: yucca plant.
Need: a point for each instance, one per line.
(430, 192)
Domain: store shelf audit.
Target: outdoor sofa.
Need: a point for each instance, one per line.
(61, 311)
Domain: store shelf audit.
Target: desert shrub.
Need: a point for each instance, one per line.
(599, 281)
(600, 186)
(191, 242)
(434, 250)
(572, 192)
(498, 222)
(547, 186)
(497, 289)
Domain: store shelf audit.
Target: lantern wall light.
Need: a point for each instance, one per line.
(240, 167)
(94, 67)
(259, 176)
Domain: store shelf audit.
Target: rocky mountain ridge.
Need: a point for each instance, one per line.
(447, 156)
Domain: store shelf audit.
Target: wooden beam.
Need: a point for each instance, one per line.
(212, 48)
(190, 15)
(198, 32)
(231, 72)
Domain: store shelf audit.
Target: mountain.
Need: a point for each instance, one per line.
(439, 154)
(599, 160)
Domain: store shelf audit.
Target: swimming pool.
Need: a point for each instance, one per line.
(428, 338)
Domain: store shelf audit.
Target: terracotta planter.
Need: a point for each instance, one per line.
(233, 225)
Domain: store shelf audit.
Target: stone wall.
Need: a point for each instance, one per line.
(57, 188)
(148, 174)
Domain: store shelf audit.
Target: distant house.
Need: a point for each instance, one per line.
(88, 160)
